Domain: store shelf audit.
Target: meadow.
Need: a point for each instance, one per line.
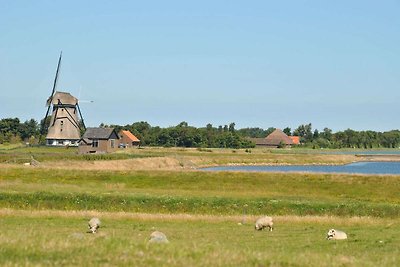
(207, 216)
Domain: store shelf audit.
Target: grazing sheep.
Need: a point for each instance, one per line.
(158, 237)
(336, 235)
(264, 222)
(94, 224)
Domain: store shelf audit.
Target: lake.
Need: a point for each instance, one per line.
(357, 167)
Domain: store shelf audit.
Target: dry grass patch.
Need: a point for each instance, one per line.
(156, 163)
(357, 220)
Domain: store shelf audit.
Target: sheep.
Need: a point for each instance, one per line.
(264, 222)
(158, 237)
(94, 224)
(336, 235)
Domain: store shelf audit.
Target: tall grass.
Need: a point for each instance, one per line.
(43, 154)
(194, 205)
(296, 187)
(199, 157)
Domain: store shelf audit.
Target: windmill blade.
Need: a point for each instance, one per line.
(49, 100)
(80, 114)
(55, 81)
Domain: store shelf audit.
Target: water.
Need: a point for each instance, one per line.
(345, 151)
(358, 167)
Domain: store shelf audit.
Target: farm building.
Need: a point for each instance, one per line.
(295, 139)
(275, 139)
(127, 139)
(98, 140)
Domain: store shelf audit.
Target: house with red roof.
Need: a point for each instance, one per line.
(127, 139)
(295, 139)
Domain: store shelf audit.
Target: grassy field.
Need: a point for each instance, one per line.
(48, 239)
(44, 210)
(173, 158)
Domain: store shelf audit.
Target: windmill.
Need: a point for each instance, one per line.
(64, 126)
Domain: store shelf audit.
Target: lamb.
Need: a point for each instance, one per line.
(264, 222)
(94, 224)
(336, 235)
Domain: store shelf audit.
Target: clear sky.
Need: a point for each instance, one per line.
(256, 63)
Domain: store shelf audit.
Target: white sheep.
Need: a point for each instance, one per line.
(158, 237)
(336, 235)
(264, 222)
(94, 224)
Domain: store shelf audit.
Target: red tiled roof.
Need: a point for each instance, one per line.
(295, 139)
(130, 136)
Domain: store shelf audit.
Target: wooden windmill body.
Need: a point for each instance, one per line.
(64, 126)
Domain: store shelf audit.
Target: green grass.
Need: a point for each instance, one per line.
(201, 192)
(31, 241)
(195, 205)
(199, 157)
(44, 212)
(18, 154)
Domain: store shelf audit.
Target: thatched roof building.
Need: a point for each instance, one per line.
(64, 126)
(278, 137)
(275, 139)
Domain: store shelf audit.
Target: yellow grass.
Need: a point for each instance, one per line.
(206, 218)
(187, 159)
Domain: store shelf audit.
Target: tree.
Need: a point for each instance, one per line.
(183, 124)
(305, 132)
(326, 134)
(252, 132)
(316, 134)
(269, 131)
(9, 125)
(232, 127)
(29, 129)
(287, 131)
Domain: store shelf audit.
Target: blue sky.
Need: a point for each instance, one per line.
(256, 63)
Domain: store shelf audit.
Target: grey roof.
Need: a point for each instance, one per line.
(85, 140)
(98, 133)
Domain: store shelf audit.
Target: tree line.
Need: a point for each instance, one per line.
(183, 135)
(12, 130)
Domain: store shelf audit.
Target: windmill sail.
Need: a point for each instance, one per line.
(48, 102)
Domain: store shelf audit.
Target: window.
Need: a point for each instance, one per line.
(95, 143)
(112, 143)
